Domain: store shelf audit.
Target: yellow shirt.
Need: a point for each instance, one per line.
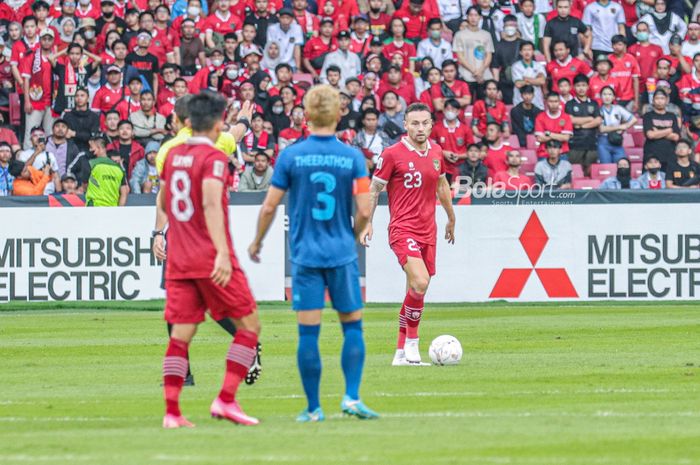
(226, 143)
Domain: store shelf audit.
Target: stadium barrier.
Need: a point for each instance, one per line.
(588, 245)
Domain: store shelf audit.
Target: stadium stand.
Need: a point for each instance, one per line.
(134, 58)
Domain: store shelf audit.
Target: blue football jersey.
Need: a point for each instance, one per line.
(318, 175)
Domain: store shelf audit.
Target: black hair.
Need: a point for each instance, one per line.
(525, 43)
(333, 68)
(452, 103)
(206, 109)
(29, 18)
(370, 111)
(284, 65)
(437, 21)
(123, 122)
(449, 62)
(527, 89)
(580, 78)
(73, 45)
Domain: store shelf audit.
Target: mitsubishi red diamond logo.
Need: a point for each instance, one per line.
(555, 281)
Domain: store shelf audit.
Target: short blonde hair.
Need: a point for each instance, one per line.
(322, 106)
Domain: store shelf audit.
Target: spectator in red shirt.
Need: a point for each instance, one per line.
(219, 23)
(131, 100)
(296, 131)
(625, 70)
(415, 16)
(308, 21)
(316, 48)
(602, 79)
(360, 38)
(110, 94)
(553, 124)
(565, 66)
(511, 179)
(645, 52)
(399, 44)
(23, 47)
(394, 80)
(454, 137)
(130, 150)
(497, 149)
(489, 110)
(449, 88)
(87, 9)
(378, 19)
(37, 80)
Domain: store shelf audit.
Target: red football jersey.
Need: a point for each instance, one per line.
(496, 158)
(483, 114)
(646, 57)
(191, 252)
(624, 69)
(411, 179)
(455, 140)
(569, 69)
(558, 124)
(596, 84)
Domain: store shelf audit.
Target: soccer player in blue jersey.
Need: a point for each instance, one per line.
(321, 175)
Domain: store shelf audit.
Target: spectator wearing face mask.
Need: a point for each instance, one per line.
(623, 178)
(454, 137)
(434, 46)
(653, 177)
(506, 54)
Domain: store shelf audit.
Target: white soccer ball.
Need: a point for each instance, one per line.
(445, 350)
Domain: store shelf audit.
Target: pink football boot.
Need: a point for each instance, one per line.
(231, 412)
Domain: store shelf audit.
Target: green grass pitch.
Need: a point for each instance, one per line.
(538, 385)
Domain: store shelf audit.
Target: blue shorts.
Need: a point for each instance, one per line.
(343, 282)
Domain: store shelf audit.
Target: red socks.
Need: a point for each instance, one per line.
(413, 307)
(402, 329)
(174, 372)
(238, 360)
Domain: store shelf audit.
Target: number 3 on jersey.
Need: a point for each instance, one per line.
(180, 202)
(412, 180)
(325, 198)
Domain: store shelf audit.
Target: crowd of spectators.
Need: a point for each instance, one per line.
(523, 91)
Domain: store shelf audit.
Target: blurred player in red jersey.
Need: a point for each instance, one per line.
(413, 170)
(202, 269)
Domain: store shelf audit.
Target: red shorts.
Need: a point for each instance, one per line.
(187, 300)
(406, 246)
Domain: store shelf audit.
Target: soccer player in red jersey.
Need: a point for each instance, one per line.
(202, 269)
(413, 170)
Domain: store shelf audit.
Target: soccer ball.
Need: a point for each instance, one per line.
(445, 350)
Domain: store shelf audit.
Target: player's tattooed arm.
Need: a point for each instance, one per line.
(375, 189)
(445, 196)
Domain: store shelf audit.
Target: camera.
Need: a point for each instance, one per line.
(41, 140)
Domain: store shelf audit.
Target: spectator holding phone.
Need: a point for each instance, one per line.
(41, 159)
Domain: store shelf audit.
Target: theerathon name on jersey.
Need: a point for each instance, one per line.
(644, 266)
(84, 268)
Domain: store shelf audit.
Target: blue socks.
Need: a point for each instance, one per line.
(309, 362)
(353, 358)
